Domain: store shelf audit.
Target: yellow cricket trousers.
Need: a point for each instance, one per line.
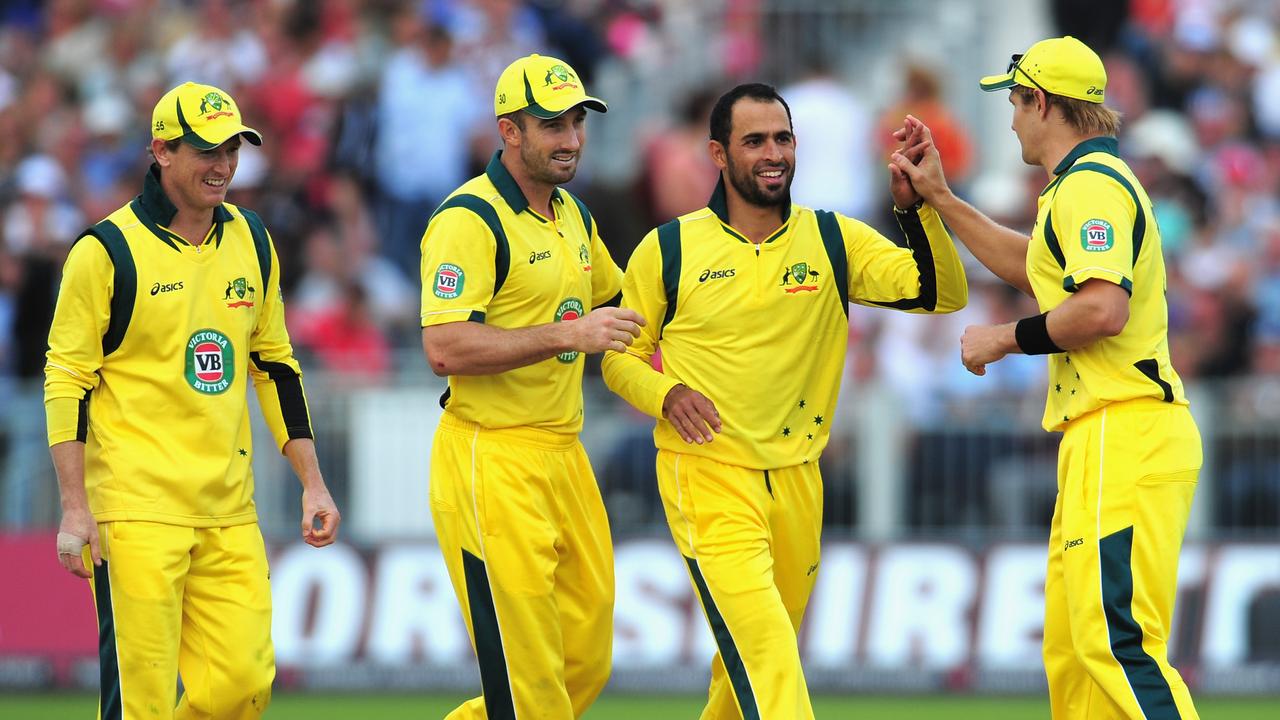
(524, 534)
(194, 602)
(750, 539)
(1126, 477)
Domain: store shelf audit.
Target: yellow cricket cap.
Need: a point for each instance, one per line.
(543, 87)
(1060, 66)
(200, 115)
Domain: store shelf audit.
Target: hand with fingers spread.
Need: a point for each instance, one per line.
(318, 505)
(692, 414)
(76, 530)
(919, 162)
(606, 328)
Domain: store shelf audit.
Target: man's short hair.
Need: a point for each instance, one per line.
(1086, 118)
(722, 113)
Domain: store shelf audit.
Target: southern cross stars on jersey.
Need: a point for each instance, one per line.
(489, 257)
(152, 344)
(762, 330)
(1106, 231)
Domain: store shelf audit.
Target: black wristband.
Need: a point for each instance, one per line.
(1032, 336)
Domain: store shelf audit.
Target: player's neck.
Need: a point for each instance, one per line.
(1056, 147)
(192, 225)
(538, 194)
(755, 222)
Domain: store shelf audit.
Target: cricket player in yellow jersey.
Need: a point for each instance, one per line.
(167, 308)
(748, 301)
(1130, 452)
(512, 267)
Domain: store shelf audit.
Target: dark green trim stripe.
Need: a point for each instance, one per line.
(833, 243)
(1150, 688)
(1051, 240)
(125, 291)
(261, 245)
(728, 650)
(768, 485)
(167, 237)
(505, 185)
(669, 244)
(922, 253)
(588, 222)
(1151, 368)
(494, 682)
(1070, 284)
(293, 402)
(485, 211)
(476, 316)
(728, 230)
(1140, 218)
(110, 706)
(1102, 144)
(444, 397)
(82, 418)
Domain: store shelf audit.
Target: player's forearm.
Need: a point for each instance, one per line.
(468, 348)
(301, 453)
(633, 379)
(951, 285)
(68, 463)
(1002, 250)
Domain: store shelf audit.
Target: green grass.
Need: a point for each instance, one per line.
(294, 706)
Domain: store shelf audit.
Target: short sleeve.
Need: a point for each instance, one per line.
(1093, 218)
(458, 251)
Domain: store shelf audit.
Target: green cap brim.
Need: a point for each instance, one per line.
(991, 83)
(589, 103)
(194, 140)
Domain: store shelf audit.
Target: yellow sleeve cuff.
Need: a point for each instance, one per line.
(62, 419)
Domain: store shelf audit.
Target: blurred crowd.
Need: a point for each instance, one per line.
(373, 110)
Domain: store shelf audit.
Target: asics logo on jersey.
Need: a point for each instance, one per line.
(1073, 543)
(710, 274)
(166, 287)
(536, 255)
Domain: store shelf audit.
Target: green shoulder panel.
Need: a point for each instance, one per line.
(485, 211)
(669, 245)
(125, 282)
(261, 244)
(833, 243)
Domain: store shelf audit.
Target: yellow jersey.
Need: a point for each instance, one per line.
(152, 345)
(1095, 222)
(488, 257)
(763, 329)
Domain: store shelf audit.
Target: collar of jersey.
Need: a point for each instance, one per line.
(509, 189)
(156, 211)
(1107, 145)
(719, 204)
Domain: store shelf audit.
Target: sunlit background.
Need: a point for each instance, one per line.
(939, 484)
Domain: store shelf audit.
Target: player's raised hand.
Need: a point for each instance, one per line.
(318, 506)
(925, 173)
(692, 414)
(76, 530)
(606, 328)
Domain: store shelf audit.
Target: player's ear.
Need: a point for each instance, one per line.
(509, 131)
(718, 154)
(160, 151)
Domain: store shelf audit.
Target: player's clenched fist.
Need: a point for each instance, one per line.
(606, 328)
(692, 414)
